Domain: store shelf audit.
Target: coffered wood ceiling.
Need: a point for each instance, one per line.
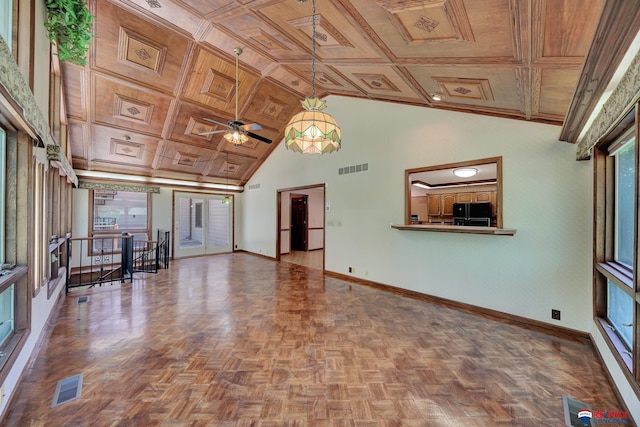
(158, 68)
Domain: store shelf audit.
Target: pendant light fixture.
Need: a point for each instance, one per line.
(227, 198)
(313, 131)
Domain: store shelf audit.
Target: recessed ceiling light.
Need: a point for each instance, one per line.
(465, 172)
(437, 96)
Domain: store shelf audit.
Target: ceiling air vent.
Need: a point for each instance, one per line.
(67, 390)
(353, 169)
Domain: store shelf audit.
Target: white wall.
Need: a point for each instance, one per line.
(41, 307)
(546, 197)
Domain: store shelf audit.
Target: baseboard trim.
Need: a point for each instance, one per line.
(535, 325)
(255, 254)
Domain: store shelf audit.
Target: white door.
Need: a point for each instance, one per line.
(203, 224)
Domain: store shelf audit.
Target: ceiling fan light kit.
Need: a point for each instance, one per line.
(312, 131)
(237, 132)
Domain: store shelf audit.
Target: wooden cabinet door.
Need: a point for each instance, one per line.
(447, 204)
(484, 196)
(434, 203)
(464, 197)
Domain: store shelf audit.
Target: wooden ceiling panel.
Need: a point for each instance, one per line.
(135, 49)
(562, 37)
(119, 104)
(380, 81)
(490, 87)
(212, 83)
(170, 14)
(116, 146)
(208, 8)
(158, 68)
(178, 157)
(271, 106)
(262, 36)
(78, 140)
(441, 28)
(337, 36)
(75, 86)
(556, 91)
(190, 123)
(240, 167)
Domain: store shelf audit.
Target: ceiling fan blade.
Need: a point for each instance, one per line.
(216, 122)
(213, 131)
(252, 126)
(259, 138)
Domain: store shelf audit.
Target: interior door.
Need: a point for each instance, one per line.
(203, 224)
(299, 225)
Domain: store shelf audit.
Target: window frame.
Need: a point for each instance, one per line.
(17, 157)
(606, 267)
(102, 233)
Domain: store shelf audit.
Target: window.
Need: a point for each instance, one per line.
(6, 314)
(115, 212)
(615, 251)
(6, 21)
(432, 193)
(198, 214)
(3, 139)
(15, 284)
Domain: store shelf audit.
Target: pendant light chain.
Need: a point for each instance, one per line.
(237, 82)
(313, 48)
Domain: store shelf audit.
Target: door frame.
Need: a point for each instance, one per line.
(279, 217)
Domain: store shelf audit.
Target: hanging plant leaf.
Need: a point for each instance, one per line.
(70, 28)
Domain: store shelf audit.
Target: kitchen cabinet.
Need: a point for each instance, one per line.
(439, 207)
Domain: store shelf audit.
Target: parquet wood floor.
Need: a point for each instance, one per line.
(311, 259)
(239, 340)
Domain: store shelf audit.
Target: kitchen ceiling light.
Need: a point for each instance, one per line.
(465, 172)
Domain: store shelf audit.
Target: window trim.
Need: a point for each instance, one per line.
(605, 267)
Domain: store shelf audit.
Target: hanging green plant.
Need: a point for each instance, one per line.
(70, 28)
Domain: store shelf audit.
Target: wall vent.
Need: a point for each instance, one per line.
(253, 186)
(67, 390)
(353, 169)
(571, 409)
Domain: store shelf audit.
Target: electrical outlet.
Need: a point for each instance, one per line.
(555, 314)
(351, 270)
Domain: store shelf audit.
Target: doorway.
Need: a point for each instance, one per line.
(299, 215)
(203, 224)
(301, 226)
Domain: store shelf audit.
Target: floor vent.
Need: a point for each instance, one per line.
(83, 299)
(571, 410)
(67, 390)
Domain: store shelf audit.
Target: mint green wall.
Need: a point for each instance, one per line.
(547, 198)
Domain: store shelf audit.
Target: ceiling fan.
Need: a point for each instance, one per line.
(237, 132)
